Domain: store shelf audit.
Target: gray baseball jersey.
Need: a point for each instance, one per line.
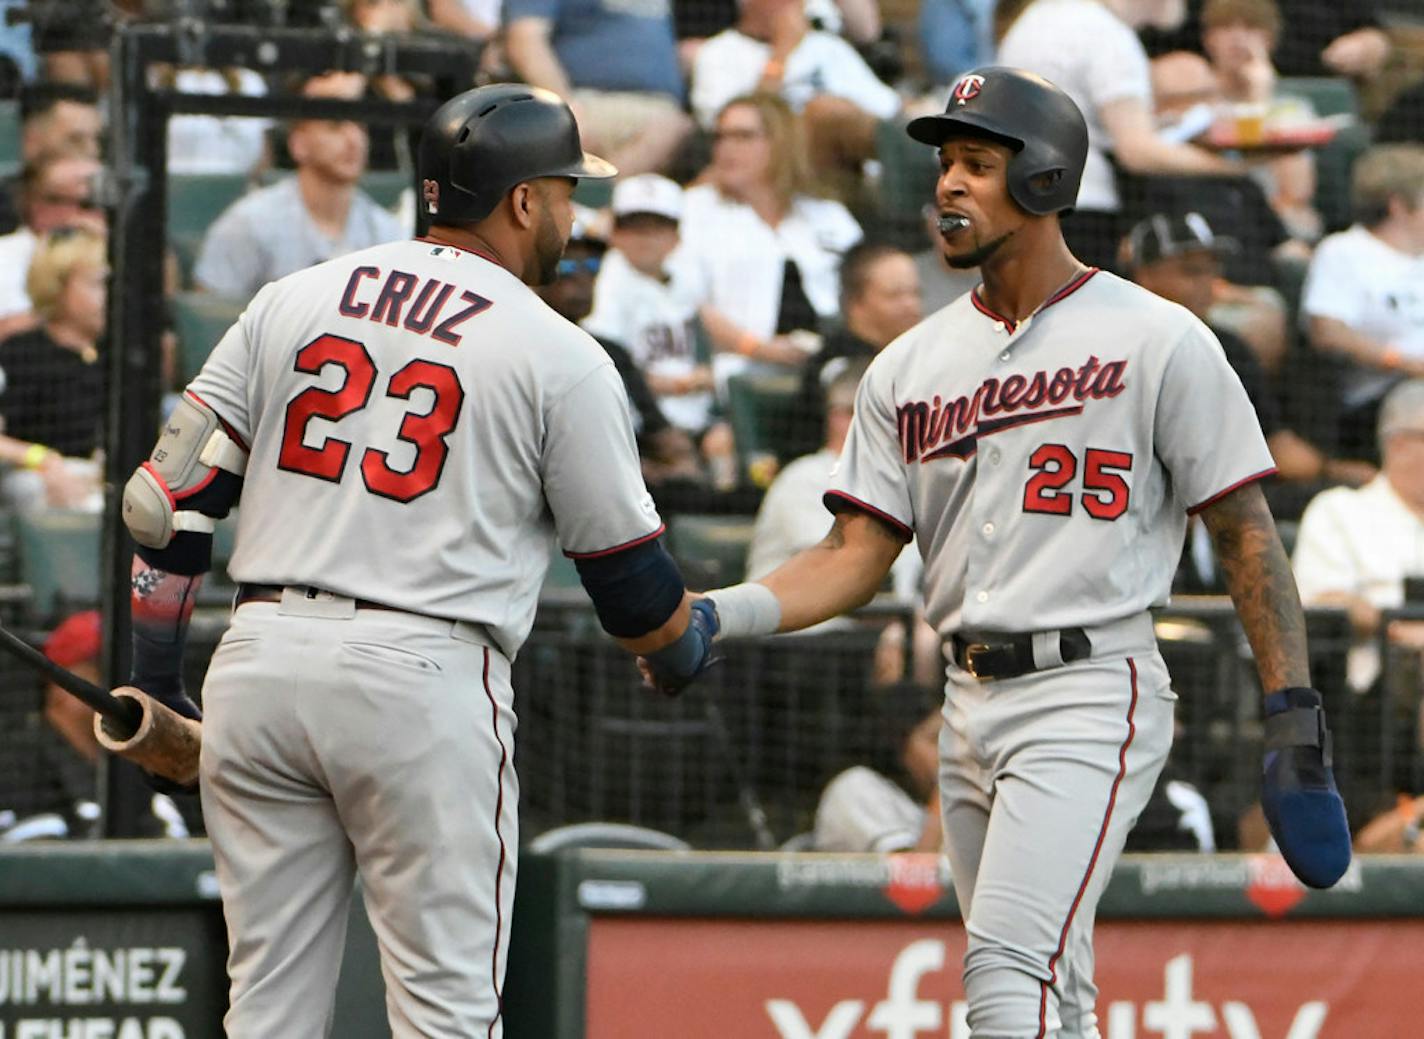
(422, 426)
(1047, 468)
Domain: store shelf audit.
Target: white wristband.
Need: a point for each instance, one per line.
(746, 609)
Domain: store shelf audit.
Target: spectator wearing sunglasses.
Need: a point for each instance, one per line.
(666, 451)
(55, 192)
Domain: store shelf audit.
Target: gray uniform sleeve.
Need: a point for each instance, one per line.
(593, 480)
(870, 475)
(223, 382)
(1205, 430)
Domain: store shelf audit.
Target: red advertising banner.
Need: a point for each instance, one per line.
(1219, 979)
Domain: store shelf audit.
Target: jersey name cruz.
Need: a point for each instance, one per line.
(431, 312)
(942, 428)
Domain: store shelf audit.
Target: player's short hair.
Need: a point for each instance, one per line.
(56, 257)
(1385, 172)
(1402, 409)
(857, 264)
(39, 99)
(1258, 14)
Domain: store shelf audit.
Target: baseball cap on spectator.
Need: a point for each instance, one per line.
(589, 228)
(647, 193)
(1161, 237)
(77, 638)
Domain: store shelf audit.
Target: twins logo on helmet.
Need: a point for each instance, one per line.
(968, 88)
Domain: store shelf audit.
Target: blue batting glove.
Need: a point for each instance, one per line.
(673, 667)
(1302, 804)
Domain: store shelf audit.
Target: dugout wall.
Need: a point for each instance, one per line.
(124, 940)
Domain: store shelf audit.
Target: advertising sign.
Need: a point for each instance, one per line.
(899, 979)
(99, 974)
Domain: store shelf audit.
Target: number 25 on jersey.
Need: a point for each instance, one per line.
(428, 432)
(1105, 493)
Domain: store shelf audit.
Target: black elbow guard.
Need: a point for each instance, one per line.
(634, 591)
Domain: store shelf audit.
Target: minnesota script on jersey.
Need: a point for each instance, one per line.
(1047, 467)
(422, 428)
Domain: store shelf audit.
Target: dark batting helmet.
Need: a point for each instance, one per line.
(480, 144)
(1027, 113)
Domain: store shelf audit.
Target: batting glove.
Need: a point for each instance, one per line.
(1302, 804)
(671, 669)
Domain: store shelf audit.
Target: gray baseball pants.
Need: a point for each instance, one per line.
(339, 741)
(1041, 778)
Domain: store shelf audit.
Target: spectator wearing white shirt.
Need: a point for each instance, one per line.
(476, 19)
(760, 254)
(792, 517)
(213, 143)
(1090, 49)
(636, 303)
(1363, 300)
(313, 216)
(774, 49)
(890, 803)
(1356, 547)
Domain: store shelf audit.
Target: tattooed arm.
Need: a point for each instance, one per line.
(841, 573)
(1258, 575)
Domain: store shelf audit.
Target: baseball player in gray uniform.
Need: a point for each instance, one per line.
(1043, 439)
(410, 429)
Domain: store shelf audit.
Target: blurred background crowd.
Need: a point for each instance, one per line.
(1260, 162)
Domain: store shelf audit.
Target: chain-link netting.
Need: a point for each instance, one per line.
(1259, 163)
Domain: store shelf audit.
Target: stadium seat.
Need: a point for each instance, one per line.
(760, 408)
(9, 134)
(1334, 167)
(200, 319)
(1328, 95)
(605, 835)
(711, 549)
(59, 559)
(195, 200)
(1331, 96)
(385, 186)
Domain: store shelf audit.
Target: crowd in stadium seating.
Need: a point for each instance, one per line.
(772, 231)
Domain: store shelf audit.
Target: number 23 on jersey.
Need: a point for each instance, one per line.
(428, 432)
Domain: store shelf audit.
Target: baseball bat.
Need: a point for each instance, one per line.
(133, 724)
(124, 715)
(751, 804)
